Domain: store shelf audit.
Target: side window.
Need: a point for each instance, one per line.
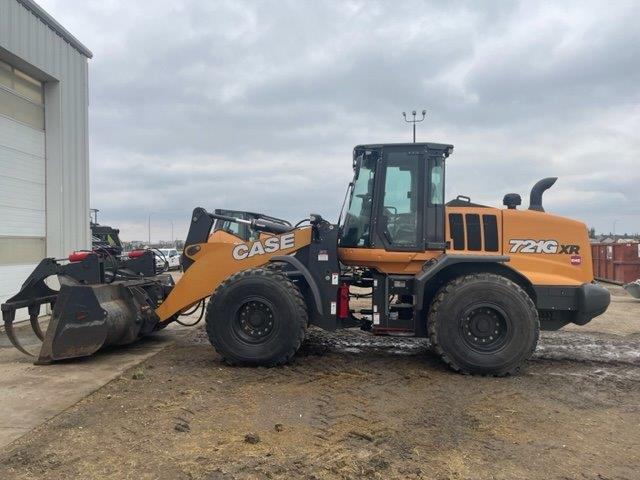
(434, 216)
(397, 192)
(400, 204)
(231, 227)
(437, 183)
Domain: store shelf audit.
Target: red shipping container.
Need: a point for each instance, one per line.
(616, 262)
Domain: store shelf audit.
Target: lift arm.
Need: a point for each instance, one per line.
(208, 264)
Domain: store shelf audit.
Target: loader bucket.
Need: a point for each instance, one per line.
(85, 319)
(633, 288)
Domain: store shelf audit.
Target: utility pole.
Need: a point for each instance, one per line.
(149, 227)
(172, 239)
(414, 121)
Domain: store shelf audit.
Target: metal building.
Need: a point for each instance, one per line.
(44, 157)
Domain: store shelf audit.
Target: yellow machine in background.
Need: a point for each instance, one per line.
(478, 281)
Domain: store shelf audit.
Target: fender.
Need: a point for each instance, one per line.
(432, 269)
(299, 267)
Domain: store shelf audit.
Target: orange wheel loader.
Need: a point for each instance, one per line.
(479, 282)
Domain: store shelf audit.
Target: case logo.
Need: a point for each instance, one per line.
(542, 246)
(270, 245)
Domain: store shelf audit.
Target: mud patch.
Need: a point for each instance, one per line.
(589, 347)
(558, 345)
(351, 406)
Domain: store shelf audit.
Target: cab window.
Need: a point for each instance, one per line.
(437, 183)
(400, 206)
(230, 227)
(358, 218)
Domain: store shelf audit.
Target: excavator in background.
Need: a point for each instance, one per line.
(479, 282)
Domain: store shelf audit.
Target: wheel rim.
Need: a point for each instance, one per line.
(254, 321)
(485, 328)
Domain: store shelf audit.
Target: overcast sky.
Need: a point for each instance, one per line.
(257, 105)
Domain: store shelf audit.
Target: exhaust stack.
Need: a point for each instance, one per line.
(535, 200)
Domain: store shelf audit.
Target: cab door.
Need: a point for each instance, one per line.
(400, 217)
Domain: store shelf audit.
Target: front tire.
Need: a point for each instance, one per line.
(483, 324)
(256, 317)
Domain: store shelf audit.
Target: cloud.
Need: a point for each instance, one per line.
(257, 105)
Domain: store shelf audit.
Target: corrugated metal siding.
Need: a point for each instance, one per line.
(13, 136)
(7, 284)
(65, 70)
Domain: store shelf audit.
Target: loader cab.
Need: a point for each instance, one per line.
(396, 202)
(106, 238)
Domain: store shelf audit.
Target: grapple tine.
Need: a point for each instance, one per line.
(8, 317)
(34, 312)
(36, 327)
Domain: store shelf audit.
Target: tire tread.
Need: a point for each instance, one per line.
(447, 289)
(292, 290)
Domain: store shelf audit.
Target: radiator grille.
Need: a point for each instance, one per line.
(490, 224)
(474, 236)
(473, 233)
(456, 225)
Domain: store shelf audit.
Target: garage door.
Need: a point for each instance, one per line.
(22, 178)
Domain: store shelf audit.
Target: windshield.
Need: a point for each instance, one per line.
(355, 231)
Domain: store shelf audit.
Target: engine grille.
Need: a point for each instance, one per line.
(474, 232)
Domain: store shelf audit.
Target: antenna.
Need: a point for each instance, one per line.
(414, 121)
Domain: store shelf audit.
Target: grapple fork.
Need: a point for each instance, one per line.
(88, 313)
(32, 295)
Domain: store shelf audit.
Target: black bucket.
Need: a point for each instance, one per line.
(87, 318)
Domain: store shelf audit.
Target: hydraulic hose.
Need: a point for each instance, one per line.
(200, 305)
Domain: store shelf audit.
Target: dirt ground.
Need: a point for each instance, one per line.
(354, 406)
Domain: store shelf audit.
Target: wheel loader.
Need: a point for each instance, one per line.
(104, 236)
(479, 282)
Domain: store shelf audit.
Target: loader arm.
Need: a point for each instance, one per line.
(107, 300)
(210, 263)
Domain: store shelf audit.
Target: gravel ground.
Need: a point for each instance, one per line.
(354, 406)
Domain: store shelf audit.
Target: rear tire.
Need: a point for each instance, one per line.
(483, 324)
(256, 317)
